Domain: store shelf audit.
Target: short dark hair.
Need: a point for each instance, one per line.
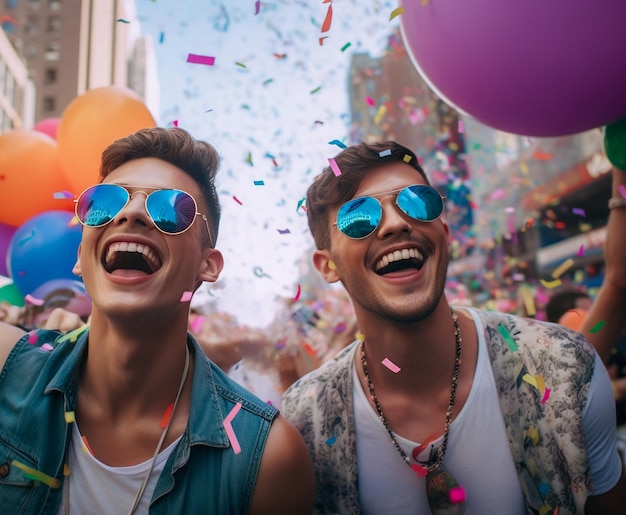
(197, 158)
(561, 302)
(329, 190)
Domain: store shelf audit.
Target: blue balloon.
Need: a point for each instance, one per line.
(42, 249)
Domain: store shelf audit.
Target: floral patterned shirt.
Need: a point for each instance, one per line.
(542, 373)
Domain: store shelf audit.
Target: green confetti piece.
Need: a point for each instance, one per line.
(508, 339)
(597, 327)
(122, 20)
(316, 90)
(240, 64)
(346, 46)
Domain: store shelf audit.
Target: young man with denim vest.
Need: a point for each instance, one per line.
(128, 415)
(435, 409)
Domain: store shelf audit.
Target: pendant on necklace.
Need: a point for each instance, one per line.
(444, 493)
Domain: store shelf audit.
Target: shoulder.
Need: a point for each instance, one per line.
(328, 384)
(286, 481)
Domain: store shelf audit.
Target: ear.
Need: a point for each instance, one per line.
(325, 266)
(77, 270)
(211, 266)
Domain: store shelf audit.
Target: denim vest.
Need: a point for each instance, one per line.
(39, 384)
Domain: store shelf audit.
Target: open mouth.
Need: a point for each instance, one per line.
(131, 256)
(400, 260)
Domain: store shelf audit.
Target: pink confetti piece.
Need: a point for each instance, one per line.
(34, 300)
(257, 7)
(339, 328)
(456, 495)
(175, 123)
(622, 190)
(196, 324)
(201, 59)
(237, 200)
(46, 347)
(370, 101)
(546, 395)
(230, 432)
(61, 195)
(391, 365)
(186, 296)
(579, 211)
(297, 297)
(334, 167)
(32, 337)
(581, 251)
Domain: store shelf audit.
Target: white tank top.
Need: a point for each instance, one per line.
(98, 489)
(478, 456)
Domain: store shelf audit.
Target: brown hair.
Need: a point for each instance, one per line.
(197, 158)
(329, 191)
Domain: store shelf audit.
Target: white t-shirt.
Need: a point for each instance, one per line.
(478, 454)
(98, 489)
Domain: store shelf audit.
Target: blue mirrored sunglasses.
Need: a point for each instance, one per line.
(359, 217)
(172, 211)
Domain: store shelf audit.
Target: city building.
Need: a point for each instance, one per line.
(72, 46)
(17, 91)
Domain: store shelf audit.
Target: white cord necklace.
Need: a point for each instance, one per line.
(146, 478)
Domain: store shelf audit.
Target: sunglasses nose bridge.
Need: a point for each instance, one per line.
(393, 219)
(135, 209)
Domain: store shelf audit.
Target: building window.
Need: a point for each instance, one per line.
(54, 24)
(31, 27)
(53, 51)
(50, 76)
(54, 5)
(49, 104)
(30, 50)
(34, 4)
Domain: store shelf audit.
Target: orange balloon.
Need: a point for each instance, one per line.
(573, 318)
(90, 123)
(30, 176)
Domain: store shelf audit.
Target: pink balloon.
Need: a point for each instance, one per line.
(48, 126)
(528, 67)
(6, 234)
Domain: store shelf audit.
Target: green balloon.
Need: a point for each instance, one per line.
(10, 295)
(615, 143)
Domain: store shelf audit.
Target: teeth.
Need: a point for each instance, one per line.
(398, 255)
(124, 246)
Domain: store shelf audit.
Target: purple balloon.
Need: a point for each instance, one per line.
(6, 233)
(529, 67)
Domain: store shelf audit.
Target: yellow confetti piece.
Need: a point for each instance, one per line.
(407, 158)
(529, 302)
(533, 434)
(37, 475)
(562, 268)
(396, 12)
(545, 509)
(70, 417)
(359, 336)
(530, 380)
(66, 470)
(72, 336)
(550, 284)
(380, 113)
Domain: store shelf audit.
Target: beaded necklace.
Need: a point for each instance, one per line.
(442, 489)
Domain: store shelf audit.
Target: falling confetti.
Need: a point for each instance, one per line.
(391, 365)
(230, 432)
(334, 167)
(201, 59)
(396, 12)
